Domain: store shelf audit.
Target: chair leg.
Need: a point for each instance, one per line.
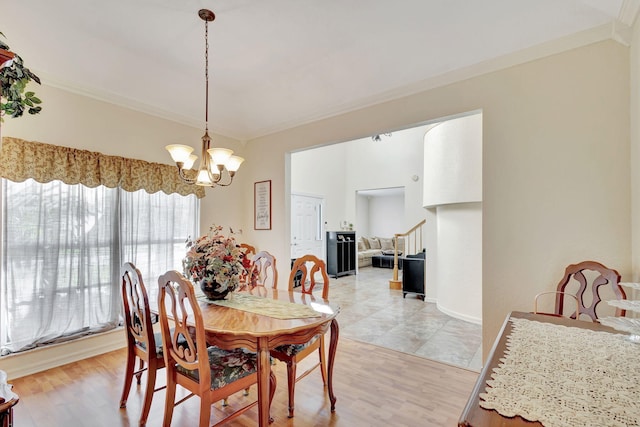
(272, 391)
(291, 384)
(128, 377)
(148, 394)
(323, 361)
(139, 374)
(205, 412)
(169, 402)
(225, 401)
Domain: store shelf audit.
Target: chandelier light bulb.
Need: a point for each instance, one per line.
(179, 153)
(234, 162)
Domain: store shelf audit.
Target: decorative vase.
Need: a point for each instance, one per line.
(214, 291)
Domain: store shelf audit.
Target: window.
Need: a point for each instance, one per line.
(62, 249)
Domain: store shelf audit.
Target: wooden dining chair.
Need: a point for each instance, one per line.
(249, 252)
(205, 371)
(291, 354)
(142, 343)
(592, 279)
(263, 269)
(542, 295)
(266, 272)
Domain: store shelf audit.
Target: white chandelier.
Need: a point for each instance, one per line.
(222, 159)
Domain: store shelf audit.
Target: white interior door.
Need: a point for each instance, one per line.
(307, 230)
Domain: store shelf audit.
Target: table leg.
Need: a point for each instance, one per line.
(333, 344)
(264, 368)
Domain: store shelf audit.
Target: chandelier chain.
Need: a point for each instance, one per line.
(206, 72)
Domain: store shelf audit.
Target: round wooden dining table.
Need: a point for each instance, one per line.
(231, 327)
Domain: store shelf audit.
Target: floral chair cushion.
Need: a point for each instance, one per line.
(227, 366)
(158, 338)
(293, 349)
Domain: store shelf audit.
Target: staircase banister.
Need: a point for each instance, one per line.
(414, 228)
(395, 283)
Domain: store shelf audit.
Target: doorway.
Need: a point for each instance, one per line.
(307, 226)
(397, 160)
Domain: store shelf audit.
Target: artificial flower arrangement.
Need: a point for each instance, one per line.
(216, 263)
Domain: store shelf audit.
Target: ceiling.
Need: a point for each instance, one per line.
(280, 63)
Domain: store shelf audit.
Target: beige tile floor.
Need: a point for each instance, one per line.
(373, 313)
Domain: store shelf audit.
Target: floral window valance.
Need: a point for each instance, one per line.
(20, 160)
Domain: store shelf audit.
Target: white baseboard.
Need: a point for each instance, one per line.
(43, 358)
(466, 318)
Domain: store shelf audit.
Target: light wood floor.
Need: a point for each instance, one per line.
(374, 387)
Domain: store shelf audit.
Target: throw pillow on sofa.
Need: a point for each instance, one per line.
(363, 244)
(374, 243)
(386, 244)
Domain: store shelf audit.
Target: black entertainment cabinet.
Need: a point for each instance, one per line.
(341, 253)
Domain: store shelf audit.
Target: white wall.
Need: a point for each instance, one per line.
(362, 215)
(322, 172)
(389, 163)
(459, 262)
(453, 185)
(386, 216)
(453, 162)
(363, 164)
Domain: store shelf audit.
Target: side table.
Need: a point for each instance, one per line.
(385, 261)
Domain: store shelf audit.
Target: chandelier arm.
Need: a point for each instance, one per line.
(215, 178)
(225, 184)
(184, 177)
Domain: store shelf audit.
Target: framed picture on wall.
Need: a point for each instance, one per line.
(262, 205)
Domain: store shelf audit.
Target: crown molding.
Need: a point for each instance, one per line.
(129, 103)
(621, 33)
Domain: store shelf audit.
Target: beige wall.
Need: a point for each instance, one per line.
(635, 153)
(556, 170)
(556, 174)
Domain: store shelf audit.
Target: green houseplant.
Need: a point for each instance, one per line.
(14, 77)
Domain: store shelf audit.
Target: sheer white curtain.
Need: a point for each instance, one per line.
(154, 231)
(62, 249)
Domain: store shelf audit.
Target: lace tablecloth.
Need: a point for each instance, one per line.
(565, 377)
(265, 306)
